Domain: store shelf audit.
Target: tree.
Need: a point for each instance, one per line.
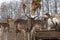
(55, 6)
(4, 10)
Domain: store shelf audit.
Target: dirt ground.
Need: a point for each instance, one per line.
(11, 35)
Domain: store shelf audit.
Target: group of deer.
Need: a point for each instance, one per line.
(29, 25)
(22, 25)
(34, 6)
(53, 21)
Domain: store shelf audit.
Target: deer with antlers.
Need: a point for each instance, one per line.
(24, 26)
(27, 26)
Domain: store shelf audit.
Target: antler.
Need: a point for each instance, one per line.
(35, 5)
(24, 7)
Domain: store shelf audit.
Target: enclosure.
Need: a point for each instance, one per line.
(30, 20)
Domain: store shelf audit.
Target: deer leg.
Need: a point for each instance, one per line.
(16, 33)
(16, 30)
(3, 29)
(8, 28)
(29, 35)
(5, 35)
(32, 33)
(25, 35)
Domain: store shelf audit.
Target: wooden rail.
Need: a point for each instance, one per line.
(47, 34)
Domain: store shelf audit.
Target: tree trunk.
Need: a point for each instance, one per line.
(55, 6)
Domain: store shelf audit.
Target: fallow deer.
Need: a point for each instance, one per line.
(49, 21)
(10, 21)
(27, 25)
(53, 21)
(5, 26)
(56, 20)
(24, 25)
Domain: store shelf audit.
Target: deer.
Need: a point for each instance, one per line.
(56, 20)
(24, 26)
(48, 20)
(10, 21)
(5, 26)
(28, 25)
(21, 24)
(53, 21)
